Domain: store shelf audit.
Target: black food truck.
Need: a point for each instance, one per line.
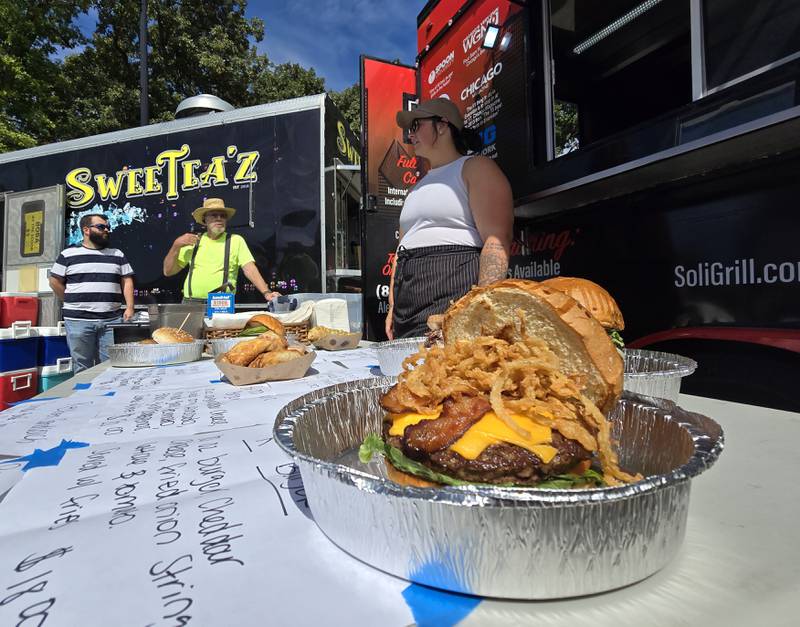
(653, 146)
(290, 169)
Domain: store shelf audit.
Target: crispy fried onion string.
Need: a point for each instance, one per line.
(520, 377)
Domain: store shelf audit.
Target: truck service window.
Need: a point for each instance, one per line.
(616, 64)
(742, 36)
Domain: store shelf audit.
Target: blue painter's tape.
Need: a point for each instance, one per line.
(108, 394)
(215, 380)
(81, 386)
(50, 457)
(35, 400)
(437, 608)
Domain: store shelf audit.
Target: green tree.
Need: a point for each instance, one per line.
(195, 46)
(349, 102)
(31, 33)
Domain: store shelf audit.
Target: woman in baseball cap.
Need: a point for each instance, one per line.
(456, 222)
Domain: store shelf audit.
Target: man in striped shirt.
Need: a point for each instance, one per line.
(92, 280)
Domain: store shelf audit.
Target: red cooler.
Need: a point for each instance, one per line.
(18, 306)
(18, 385)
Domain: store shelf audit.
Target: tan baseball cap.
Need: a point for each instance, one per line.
(439, 107)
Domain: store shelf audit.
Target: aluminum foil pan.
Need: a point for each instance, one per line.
(392, 353)
(500, 542)
(653, 373)
(137, 355)
(222, 346)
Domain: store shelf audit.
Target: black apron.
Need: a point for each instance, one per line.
(427, 280)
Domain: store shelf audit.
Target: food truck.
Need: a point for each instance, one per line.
(652, 146)
(290, 169)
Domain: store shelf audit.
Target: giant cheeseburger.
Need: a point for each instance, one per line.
(516, 396)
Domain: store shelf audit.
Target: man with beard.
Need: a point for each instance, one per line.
(213, 257)
(92, 280)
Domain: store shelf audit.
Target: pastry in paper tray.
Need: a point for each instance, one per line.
(333, 339)
(282, 371)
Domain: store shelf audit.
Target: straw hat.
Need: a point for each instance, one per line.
(212, 204)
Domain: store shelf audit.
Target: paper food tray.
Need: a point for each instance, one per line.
(242, 375)
(338, 341)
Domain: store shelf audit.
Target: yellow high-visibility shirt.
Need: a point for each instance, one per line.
(209, 263)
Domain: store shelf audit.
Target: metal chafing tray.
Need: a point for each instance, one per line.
(500, 542)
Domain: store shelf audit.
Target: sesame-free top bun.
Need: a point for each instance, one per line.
(265, 320)
(593, 297)
(169, 335)
(585, 352)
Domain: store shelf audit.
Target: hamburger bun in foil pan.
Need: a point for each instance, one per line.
(518, 543)
(135, 355)
(653, 373)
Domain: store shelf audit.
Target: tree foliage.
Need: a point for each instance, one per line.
(31, 31)
(195, 46)
(349, 102)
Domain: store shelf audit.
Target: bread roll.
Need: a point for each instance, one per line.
(509, 308)
(169, 335)
(264, 320)
(593, 297)
(435, 322)
(147, 341)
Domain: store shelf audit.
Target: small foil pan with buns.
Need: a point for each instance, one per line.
(333, 339)
(144, 353)
(515, 543)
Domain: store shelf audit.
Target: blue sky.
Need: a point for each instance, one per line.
(329, 35)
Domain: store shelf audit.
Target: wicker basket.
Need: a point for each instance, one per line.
(299, 331)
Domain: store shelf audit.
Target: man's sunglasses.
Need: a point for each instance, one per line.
(415, 123)
(102, 227)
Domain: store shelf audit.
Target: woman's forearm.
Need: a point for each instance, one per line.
(493, 264)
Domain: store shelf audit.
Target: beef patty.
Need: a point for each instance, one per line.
(502, 463)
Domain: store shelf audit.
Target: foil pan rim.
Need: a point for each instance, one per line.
(707, 438)
(680, 365)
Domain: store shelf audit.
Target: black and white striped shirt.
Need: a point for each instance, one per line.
(93, 285)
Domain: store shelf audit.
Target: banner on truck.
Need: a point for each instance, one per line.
(488, 85)
(389, 170)
(391, 167)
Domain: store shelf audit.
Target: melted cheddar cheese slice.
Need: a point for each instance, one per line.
(488, 430)
(401, 421)
(491, 430)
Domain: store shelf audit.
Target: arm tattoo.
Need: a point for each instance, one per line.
(493, 263)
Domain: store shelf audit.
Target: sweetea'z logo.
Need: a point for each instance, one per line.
(171, 173)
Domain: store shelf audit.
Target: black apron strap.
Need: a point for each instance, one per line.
(191, 265)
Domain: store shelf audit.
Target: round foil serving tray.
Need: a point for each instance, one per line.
(392, 353)
(654, 373)
(518, 543)
(137, 355)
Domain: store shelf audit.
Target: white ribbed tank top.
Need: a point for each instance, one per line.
(436, 211)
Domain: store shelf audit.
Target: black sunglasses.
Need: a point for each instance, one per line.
(415, 123)
(102, 227)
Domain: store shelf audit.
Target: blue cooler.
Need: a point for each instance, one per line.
(19, 347)
(52, 345)
(50, 376)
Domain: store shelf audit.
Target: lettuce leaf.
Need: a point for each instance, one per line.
(252, 331)
(616, 338)
(374, 445)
